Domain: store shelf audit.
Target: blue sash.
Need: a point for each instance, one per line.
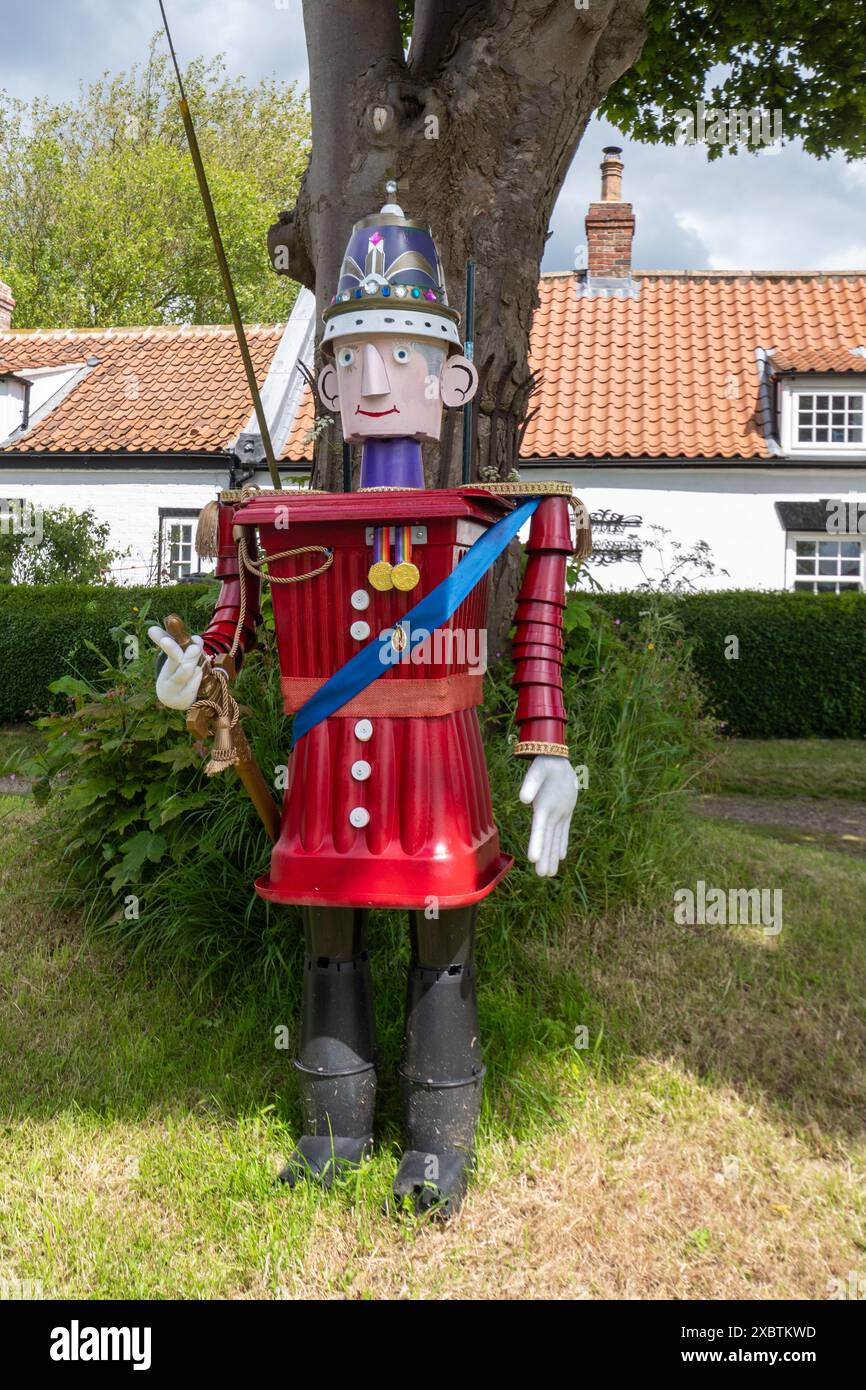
(429, 614)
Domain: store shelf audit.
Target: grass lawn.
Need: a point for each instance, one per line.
(708, 1142)
(790, 767)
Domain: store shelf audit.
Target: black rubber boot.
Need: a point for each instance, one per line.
(337, 1052)
(441, 1072)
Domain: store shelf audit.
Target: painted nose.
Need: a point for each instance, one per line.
(374, 378)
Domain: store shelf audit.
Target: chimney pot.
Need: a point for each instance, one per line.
(610, 224)
(611, 175)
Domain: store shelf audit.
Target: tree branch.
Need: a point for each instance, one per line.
(288, 251)
(436, 29)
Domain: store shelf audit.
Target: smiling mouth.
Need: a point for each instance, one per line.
(377, 414)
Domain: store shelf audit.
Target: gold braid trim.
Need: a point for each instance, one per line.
(533, 749)
(548, 488)
(243, 494)
(542, 487)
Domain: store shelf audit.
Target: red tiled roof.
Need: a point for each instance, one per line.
(154, 390)
(298, 445)
(809, 359)
(673, 371)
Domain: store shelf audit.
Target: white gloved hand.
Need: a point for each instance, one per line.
(551, 786)
(180, 677)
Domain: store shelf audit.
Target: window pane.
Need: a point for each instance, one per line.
(805, 402)
(804, 434)
(821, 436)
(838, 402)
(806, 566)
(805, 586)
(828, 547)
(837, 436)
(849, 548)
(855, 436)
(825, 588)
(822, 402)
(849, 566)
(805, 547)
(828, 566)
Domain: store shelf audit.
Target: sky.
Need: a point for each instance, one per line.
(783, 210)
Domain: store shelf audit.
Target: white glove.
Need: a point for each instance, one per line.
(180, 677)
(551, 786)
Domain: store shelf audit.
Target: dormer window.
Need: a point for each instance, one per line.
(821, 415)
(829, 418)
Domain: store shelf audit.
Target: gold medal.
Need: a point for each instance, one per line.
(405, 576)
(380, 576)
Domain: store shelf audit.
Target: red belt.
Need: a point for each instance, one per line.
(396, 699)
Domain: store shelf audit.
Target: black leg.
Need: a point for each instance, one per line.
(441, 1071)
(337, 1051)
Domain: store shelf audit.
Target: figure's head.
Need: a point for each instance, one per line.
(388, 386)
(391, 341)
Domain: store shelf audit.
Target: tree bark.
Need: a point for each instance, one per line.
(479, 124)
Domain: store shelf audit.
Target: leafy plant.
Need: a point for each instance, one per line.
(100, 215)
(70, 547)
(166, 858)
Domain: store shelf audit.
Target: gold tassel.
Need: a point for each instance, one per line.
(583, 530)
(207, 531)
(223, 753)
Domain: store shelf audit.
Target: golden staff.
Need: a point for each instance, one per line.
(230, 747)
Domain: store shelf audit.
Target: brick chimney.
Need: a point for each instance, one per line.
(610, 224)
(7, 304)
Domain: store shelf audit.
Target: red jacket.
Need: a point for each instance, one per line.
(388, 801)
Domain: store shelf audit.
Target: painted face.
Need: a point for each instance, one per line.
(389, 387)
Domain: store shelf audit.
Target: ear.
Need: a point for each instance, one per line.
(459, 381)
(326, 385)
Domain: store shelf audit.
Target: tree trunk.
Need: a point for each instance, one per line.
(479, 125)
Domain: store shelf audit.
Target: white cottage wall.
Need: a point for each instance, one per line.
(732, 509)
(129, 501)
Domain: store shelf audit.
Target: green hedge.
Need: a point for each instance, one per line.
(45, 629)
(801, 668)
(800, 672)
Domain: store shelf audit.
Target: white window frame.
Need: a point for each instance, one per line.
(817, 537)
(852, 384)
(166, 521)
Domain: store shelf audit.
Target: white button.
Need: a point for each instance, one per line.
(363, 730)
(361, 770)
(359, 817)
(360, 631)
(360, 599)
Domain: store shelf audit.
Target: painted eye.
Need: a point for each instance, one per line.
(402, 355)
(346, 356)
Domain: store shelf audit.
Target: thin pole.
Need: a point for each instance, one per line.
(223, 264)
(469, 351)
(347, 467)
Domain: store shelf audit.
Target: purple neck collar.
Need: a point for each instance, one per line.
(391, 463)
